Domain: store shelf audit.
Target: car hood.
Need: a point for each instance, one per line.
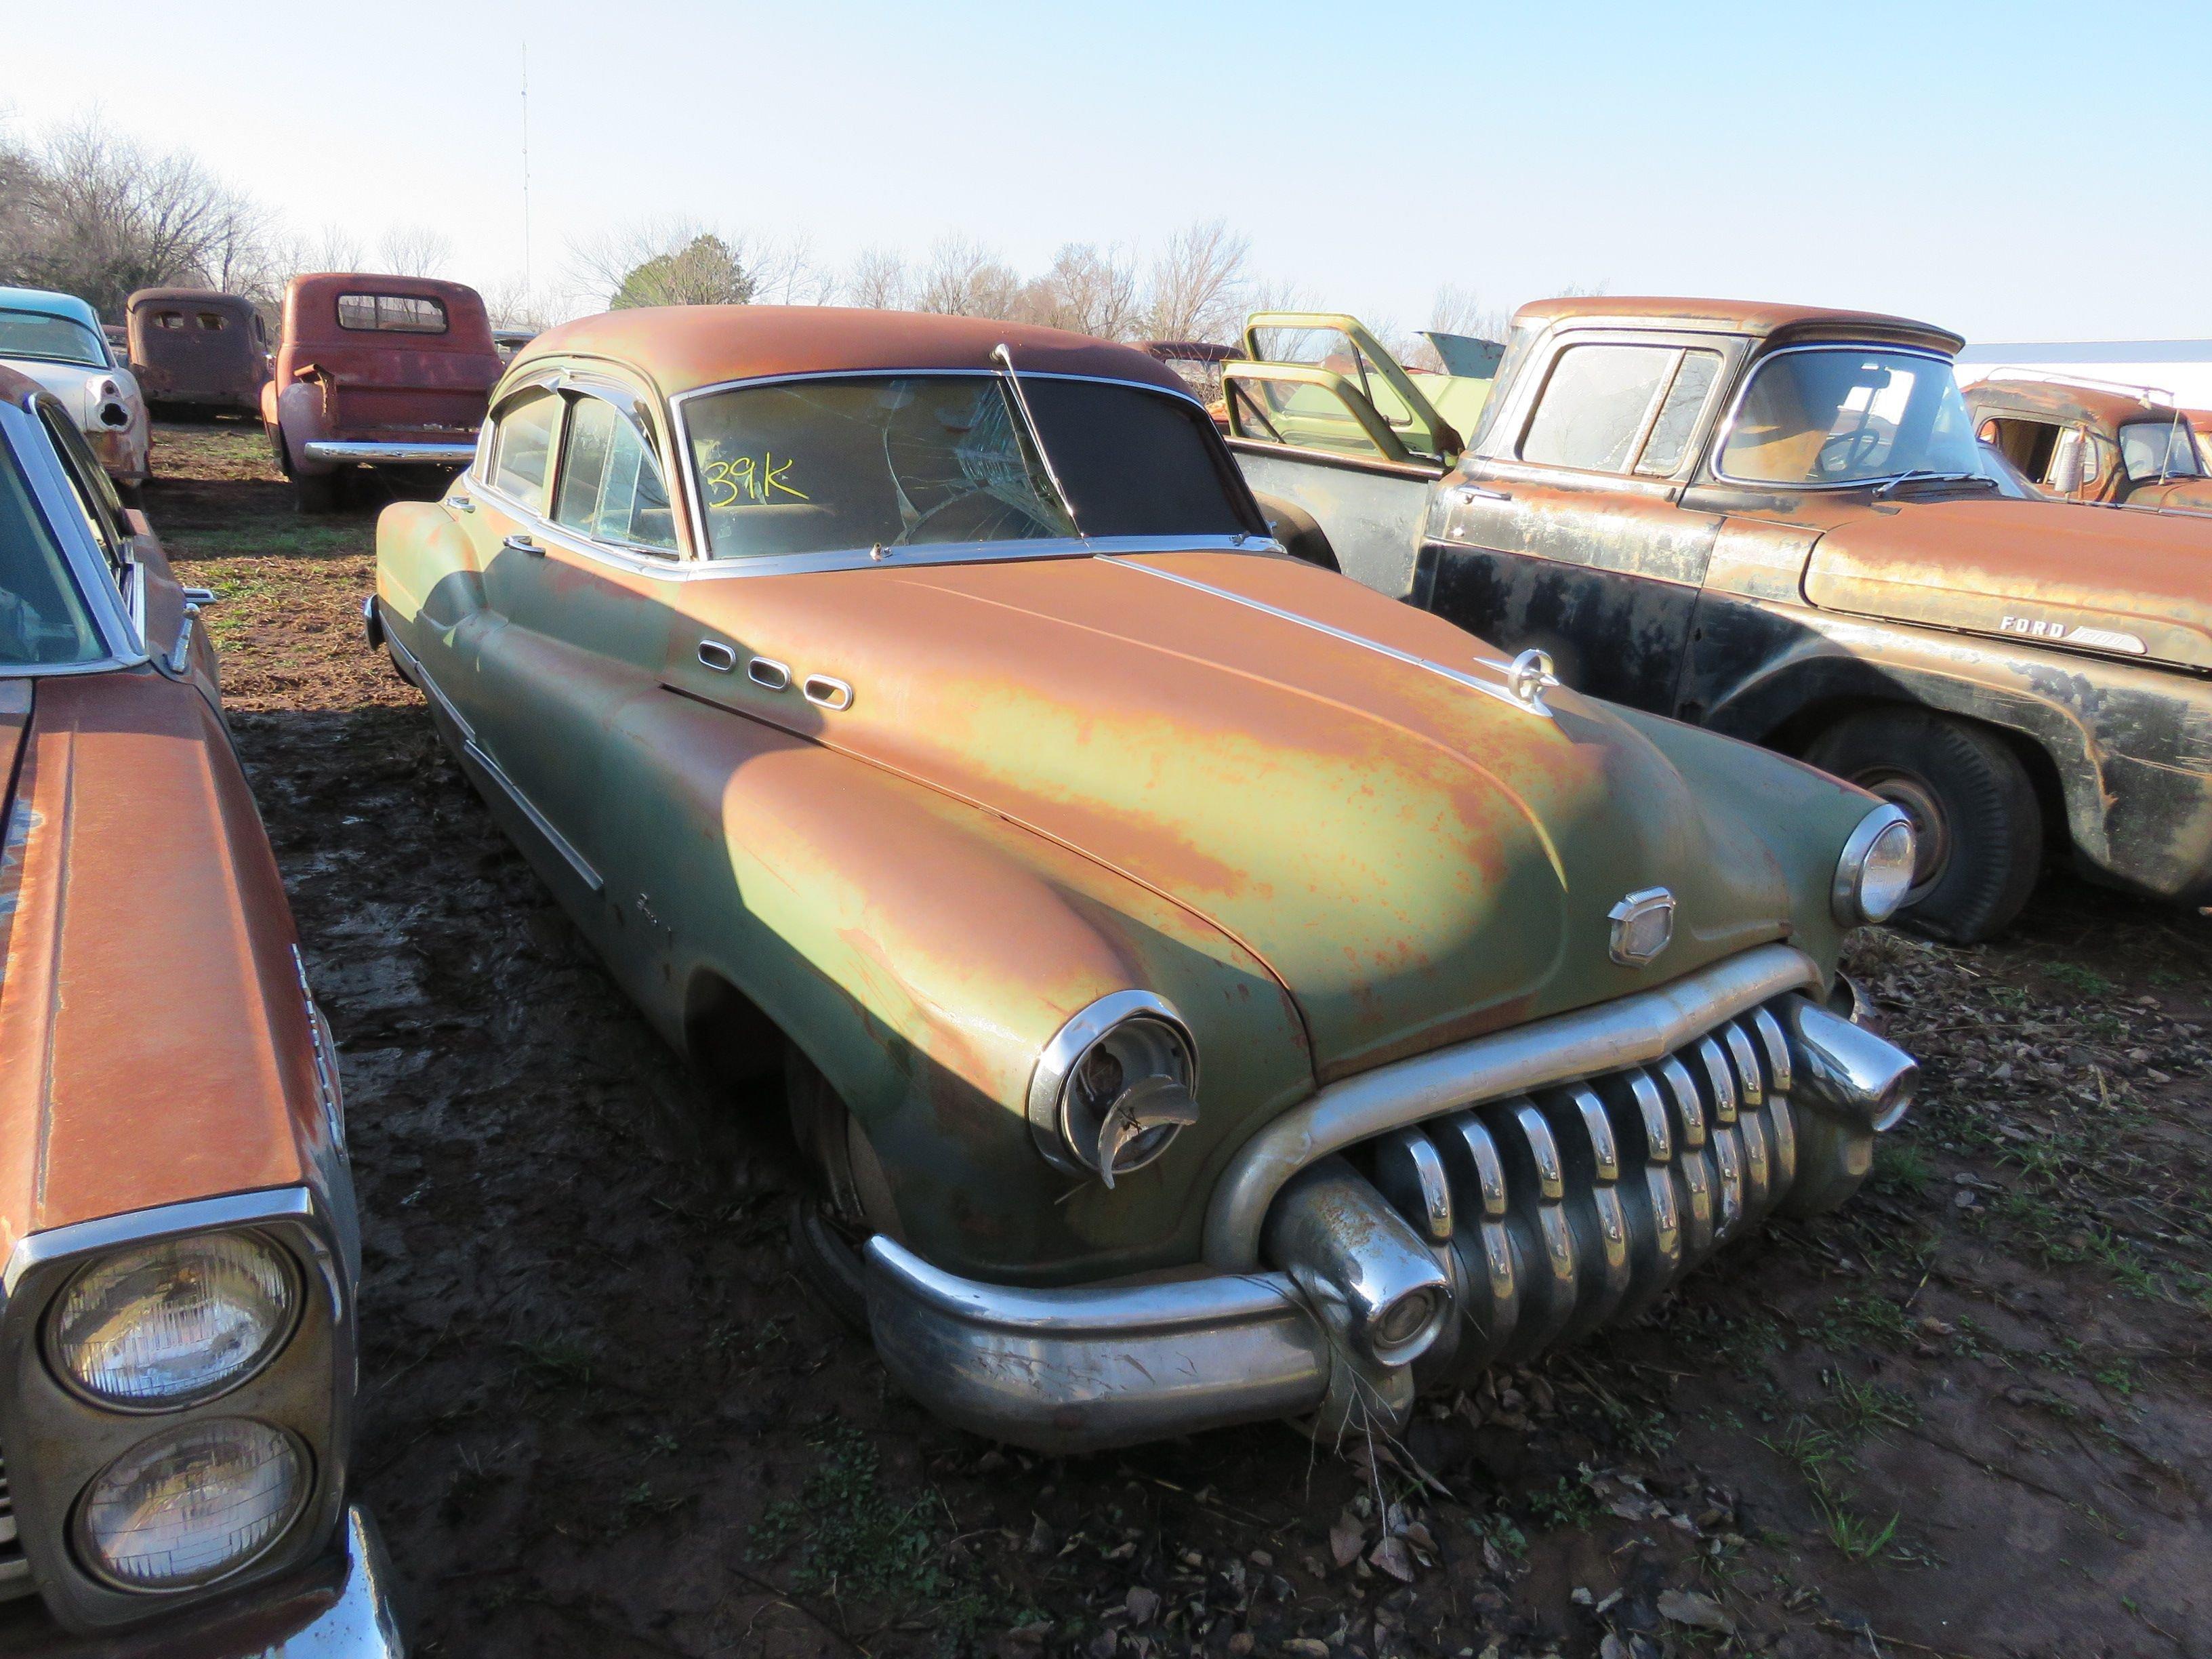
(2096, 578)
(153, 1040)
(1417, 856)
(2176, 494)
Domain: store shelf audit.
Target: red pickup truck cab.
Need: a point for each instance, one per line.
(383, 372)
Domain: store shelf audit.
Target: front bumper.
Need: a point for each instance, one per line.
(339, 1608)
(1539, 1215)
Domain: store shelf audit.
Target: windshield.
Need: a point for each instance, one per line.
(1849, 415)
(2151, 450)
(42, 335)
(43, 620)
(834, 465)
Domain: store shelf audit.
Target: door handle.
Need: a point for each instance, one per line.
(460, 504)
(1470, 494)
(518, 543)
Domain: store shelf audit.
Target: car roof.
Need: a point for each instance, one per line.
(677, 348)
(2098, 405)
(1761, 318)
(47, 300)
(196, 297)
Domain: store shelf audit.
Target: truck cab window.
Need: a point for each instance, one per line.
(1595, 405)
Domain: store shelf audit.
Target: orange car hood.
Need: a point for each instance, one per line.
(153, 1035)
(2100, 578)
(1415, 856)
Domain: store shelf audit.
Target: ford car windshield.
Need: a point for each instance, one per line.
(1851, 414)
(43, 620)
(48, 338)
(915, 460)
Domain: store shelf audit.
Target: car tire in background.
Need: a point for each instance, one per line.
(1979, 822)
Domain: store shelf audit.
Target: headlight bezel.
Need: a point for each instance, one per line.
(295, 1283)
(63, 1441)
(1847, 895)
(1057, 1066)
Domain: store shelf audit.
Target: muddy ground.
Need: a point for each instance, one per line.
(603, 1416)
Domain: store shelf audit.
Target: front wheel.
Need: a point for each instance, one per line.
(1976, 815)
(315, 492)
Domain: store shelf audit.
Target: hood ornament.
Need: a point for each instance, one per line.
(1529, 676)
(1643, 926)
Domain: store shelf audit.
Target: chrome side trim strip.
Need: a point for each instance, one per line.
(1632, 1031)
(1497, 692)
(560, 843)
(474, 751)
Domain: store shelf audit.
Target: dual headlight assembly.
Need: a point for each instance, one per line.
(161, 1328)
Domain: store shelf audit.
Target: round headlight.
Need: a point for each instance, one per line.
(1875, 870)
(1115, 1086)
(191, 1503)
(172, 1323)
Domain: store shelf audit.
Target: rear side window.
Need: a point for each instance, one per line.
(213, 321)
(1594, 406)
(391, 313)
(169, 319)
(523, 447)
(610, 486)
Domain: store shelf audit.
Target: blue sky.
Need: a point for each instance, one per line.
(2018, 172)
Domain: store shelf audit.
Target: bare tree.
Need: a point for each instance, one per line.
(1198, 284)
(415, 251)
(511, 304)
(786, 272)
(92, 213)
(879, 280)
(963, 278)
(1086, 290)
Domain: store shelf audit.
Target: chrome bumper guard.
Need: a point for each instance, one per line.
(348, 451)
(1417, 1252)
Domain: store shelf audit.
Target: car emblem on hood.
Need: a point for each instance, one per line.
(1642, 924)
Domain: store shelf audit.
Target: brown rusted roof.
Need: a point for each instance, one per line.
(678, 347)
(2088, 406)
(210, 298)
(1759, 317)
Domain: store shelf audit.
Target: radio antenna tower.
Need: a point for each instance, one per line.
(525, 173)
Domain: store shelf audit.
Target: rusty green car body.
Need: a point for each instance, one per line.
(1216, 991)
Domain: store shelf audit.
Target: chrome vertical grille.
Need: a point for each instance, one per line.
(1580, 1204)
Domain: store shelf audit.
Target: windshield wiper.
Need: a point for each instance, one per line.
(1005, 359)
(1921, 476)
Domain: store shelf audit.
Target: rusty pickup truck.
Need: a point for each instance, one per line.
(2094, 440)
(1777, 521)
(387, 373)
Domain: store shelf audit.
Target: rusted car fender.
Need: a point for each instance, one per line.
(2130, 748)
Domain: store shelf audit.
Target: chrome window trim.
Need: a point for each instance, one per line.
(839, 559)
(1722, 433)
(624, 401)
(55, 499)
(107, 1233)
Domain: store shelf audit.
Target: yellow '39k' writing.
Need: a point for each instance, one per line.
(745, 481)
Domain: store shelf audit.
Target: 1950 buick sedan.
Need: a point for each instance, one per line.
(1211, 991)
(177, 1307)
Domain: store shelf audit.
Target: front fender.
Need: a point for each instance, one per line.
(921, 952)
(2131, 745)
